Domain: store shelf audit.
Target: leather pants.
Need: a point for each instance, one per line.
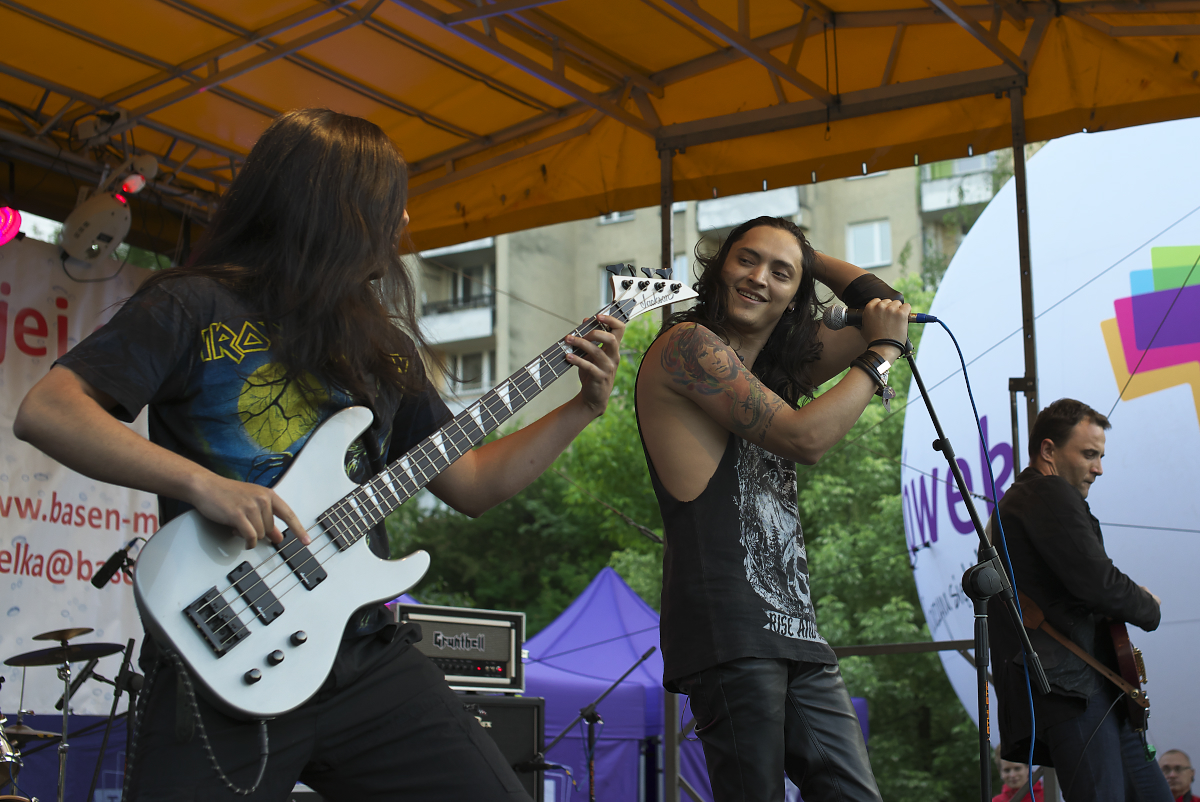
(758, 718)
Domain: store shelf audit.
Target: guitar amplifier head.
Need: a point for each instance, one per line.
(478, 650)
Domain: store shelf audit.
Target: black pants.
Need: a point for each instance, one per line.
(397, 732)
(1113, 768)
(758, 718)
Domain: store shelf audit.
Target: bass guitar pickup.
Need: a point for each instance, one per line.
(302, 561)
(255, 593)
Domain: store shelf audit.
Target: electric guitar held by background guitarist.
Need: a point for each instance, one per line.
(1071, 593)
(282, 369)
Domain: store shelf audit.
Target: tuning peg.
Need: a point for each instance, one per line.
(630, 270)
(662, 273)
(614, 269)
(647, 272)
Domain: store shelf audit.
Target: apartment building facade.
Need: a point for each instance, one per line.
(491, 305)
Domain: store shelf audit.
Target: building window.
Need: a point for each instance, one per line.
(475, 372)
(679, 268)
(471, 283)
(869, 244)
(616, 217)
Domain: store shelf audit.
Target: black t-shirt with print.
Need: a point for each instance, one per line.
(196, 355)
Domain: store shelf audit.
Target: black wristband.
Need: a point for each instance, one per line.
(889, 341)
(871, 363)
(865, 289)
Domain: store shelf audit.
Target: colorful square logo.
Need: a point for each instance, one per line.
(1154, 341)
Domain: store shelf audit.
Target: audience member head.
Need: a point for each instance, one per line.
(1177, 768)
(1067, 440)
(1014, 775)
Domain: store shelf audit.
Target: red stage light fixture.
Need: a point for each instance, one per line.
(133, 184)
(10, 224)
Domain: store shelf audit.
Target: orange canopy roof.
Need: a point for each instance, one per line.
(519, 113)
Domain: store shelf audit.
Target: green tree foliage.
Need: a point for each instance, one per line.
(537, 551)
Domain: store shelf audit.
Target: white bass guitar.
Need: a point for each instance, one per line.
(259, 628)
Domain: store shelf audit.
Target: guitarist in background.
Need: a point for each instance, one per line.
(295, 306)
(1058, 557)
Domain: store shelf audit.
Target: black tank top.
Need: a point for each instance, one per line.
(735, 571)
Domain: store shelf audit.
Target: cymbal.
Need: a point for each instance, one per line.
(20, 734)
(64, 654)
(64, 634)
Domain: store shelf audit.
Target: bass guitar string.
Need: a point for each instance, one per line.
(341, 517)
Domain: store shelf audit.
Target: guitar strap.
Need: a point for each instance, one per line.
(1033, 618)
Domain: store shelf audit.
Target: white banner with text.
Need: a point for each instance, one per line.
(58, 527)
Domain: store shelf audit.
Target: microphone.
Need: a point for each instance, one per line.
(112, 565)
(839, 317)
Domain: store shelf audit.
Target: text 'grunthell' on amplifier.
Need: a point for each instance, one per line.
(479, 650)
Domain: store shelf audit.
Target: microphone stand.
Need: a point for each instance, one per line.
(981, 582)
(590, 715)
(126, 681)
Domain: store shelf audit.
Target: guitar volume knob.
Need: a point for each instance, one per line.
(252, 676)
(299, 637)
(275, 657)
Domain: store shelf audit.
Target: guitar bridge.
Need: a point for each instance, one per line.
(217, 623)
(255, 593)
(1140, 663)
(302, 562)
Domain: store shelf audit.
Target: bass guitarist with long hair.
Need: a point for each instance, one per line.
(296, 305)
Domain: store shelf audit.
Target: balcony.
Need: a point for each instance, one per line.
(736, 209)
(458, 320)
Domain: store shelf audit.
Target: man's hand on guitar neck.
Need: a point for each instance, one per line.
(598, 365)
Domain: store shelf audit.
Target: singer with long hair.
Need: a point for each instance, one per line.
(718, 399)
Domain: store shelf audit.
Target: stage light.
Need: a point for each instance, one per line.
(96, 227)
(10, 224)
(133, 183)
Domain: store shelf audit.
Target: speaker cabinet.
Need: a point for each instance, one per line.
(517, 725)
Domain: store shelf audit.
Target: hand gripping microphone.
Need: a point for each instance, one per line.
(839, 317)
(112, 565)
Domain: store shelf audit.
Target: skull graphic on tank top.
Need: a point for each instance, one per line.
(776, 560)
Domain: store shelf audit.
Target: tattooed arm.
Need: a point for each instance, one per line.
(694, 363)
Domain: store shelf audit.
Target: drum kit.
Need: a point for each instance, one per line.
(16, 736)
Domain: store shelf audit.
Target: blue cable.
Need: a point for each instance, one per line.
(1003, 548)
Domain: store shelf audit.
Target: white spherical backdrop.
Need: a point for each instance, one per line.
(1115, 227)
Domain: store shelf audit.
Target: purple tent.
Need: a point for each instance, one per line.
(575, 658)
